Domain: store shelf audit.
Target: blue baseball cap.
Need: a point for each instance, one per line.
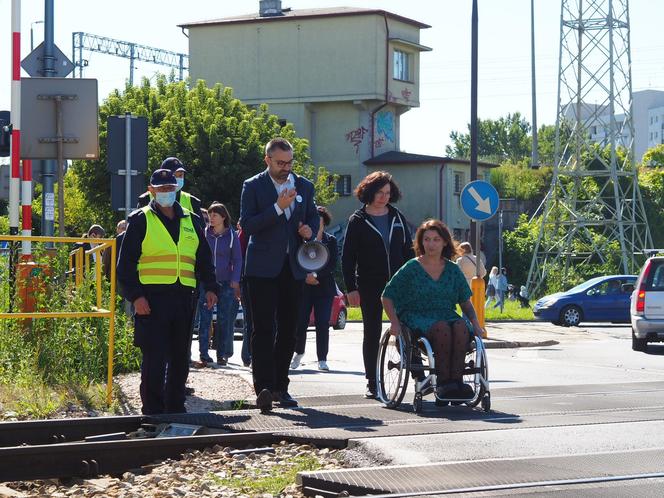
(172, 163)
(162, 176)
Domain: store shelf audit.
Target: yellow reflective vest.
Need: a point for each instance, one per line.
(185, 201)
(162, 261)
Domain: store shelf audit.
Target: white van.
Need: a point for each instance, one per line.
(647, 305)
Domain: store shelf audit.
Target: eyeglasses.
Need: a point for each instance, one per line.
(283, 164)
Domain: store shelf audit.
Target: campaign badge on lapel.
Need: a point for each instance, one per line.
(298, 198)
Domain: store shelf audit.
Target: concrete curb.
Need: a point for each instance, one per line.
(499, 344)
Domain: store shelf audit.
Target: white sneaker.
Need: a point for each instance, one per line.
(322, 365)
(296, 360)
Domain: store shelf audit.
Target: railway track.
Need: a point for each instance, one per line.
(95, 446)
(613, 413)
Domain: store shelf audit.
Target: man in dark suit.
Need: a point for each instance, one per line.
(277, 211)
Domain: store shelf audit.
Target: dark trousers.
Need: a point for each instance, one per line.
(372, 319)
(273, 301)
(322, 306)
(164, 337)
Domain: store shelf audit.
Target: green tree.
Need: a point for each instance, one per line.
(219, 138)
(519, 181)
(651, 183)
(654, 157)
(506, 138)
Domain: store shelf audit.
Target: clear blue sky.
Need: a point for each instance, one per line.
(504, 50)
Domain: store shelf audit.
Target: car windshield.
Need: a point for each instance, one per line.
(585, 285)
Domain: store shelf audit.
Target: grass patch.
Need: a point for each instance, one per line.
(511, 311)
(34, 399)
(270, 480)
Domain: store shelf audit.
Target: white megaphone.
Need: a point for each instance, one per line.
(312, 256)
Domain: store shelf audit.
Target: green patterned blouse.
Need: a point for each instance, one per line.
(421, 301)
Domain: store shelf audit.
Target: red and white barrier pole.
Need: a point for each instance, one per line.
(15, 149)
(26, 207)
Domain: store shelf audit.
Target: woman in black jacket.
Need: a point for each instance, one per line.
(318, 292)
(377, 243)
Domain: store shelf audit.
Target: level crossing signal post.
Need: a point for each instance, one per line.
(479, 201)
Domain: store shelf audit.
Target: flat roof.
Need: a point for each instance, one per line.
(289, 15)
(399, 157)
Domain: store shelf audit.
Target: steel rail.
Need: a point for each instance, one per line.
(88, 459)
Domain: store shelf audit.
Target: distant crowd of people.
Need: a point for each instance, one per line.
(178, 262)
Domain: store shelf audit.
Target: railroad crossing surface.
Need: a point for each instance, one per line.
(575, 413)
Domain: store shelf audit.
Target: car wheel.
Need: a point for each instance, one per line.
(570, 316)
(639, 344)
(341, 320)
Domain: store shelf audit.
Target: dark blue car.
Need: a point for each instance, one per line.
(600, 299)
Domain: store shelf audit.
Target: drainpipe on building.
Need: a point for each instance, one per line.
(387, 80)
(439, 193)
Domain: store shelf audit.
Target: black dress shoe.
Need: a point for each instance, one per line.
(284, 399)
(264, 401)
(465, 391)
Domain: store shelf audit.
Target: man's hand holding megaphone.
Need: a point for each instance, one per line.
(304, 231)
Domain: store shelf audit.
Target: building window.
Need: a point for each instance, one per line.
(651, 135)
(401, 66)
(457, 234)
(342, 186)
(458, 182)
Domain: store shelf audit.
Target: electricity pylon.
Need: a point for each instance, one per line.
(593, 212)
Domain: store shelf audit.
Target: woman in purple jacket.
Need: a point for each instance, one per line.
(227, 257)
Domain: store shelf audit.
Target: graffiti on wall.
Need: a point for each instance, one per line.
(356, 137)
(385, 133)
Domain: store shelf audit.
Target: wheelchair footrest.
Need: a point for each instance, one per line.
(471, 371)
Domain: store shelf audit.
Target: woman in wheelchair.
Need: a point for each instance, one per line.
(423, 296)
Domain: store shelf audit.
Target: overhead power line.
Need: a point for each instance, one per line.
(128, 50)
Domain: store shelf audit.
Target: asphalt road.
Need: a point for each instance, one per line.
(590, 395)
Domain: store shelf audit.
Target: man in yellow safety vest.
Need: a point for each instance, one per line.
(163, 255)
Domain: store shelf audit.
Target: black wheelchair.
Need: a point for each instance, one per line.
(409, 353)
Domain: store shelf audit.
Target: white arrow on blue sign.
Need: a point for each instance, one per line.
(479, 200)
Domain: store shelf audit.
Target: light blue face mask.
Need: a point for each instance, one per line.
(180, 183)
(165, 199)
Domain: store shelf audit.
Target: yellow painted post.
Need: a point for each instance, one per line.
(477, 286)
(111, 327)
(79, 267)
(98, 278)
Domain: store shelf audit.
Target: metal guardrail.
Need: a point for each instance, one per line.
(81, 259)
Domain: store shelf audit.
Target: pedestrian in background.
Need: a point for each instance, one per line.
(203, 315)
(185, 199)
(227, 257)
(106, 256)
(468, 263)
(377, 243)
(501, 289)
(491, 286)
(244, 299)
(318, 293)
(163, 255)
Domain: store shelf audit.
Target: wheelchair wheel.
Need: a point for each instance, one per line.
(473, 359)
(393, 368)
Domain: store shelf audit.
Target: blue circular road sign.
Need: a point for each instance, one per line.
(479, 200)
